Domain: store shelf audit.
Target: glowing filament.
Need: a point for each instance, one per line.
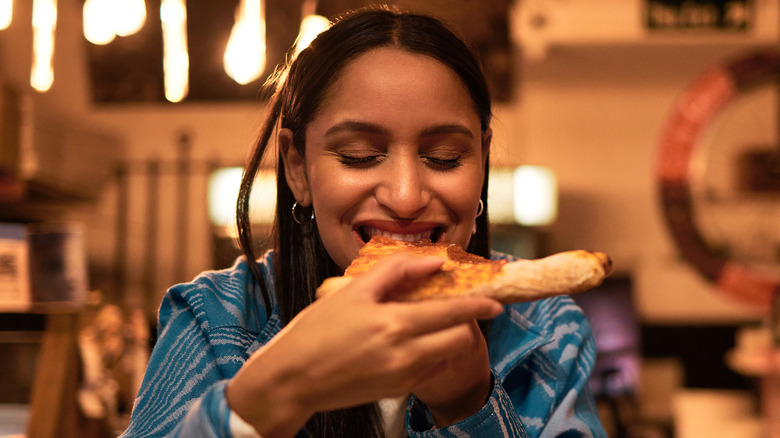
(6, 13)
(96, 25)
(176, 59)
(129, 16)
(535, 195)
(311, 26)
(244, 58)
(44, 23)
(105, 19)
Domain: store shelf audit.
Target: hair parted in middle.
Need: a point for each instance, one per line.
(301, 262)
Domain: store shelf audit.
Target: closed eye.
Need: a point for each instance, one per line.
(442, 163)
(359, 161)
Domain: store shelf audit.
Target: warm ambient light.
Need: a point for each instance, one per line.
(44, 23)
(129, 16)
(6, 13)
(535, 196)
(105, 19)
(526, 195)
(244, 58)
(97, 27)
(311, 26)
(176, 59)
(223, 191)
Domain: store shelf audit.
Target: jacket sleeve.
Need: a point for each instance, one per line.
(575, 413)
(544, 394)
(496, 419)
(183, 390)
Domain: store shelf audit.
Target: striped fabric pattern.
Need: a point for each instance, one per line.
(541, 354)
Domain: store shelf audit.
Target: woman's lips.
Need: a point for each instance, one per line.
(409, 232)
(368, 232)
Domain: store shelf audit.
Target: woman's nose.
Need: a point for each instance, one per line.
(402, 191)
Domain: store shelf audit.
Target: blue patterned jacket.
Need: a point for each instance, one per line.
(541, 353)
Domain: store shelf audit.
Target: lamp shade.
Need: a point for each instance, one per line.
(526, 195)
(535, 196)
(223, 188)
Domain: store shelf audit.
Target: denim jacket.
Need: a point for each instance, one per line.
(541, 355)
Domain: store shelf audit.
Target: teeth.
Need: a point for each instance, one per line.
(425, 235)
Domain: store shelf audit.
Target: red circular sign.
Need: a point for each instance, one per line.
(693, 111)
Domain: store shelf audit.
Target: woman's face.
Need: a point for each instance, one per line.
(395, 149)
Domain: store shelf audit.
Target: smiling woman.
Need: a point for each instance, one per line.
(395, 149)
(383, 128)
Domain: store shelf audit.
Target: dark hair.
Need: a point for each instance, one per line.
(301, 261)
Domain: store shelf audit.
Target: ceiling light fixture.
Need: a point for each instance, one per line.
(105, 19)
(244, 59)
(176, 59)
(129, 16)
(44, 22)
(6, 13)
(311, 26)
(96, 26)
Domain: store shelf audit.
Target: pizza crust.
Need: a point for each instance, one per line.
(465, 274)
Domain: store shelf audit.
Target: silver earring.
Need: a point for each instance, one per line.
(297, 215)
(481, 208)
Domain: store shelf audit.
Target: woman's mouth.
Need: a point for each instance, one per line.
(432, 234)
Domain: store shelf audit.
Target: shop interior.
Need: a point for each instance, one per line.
(645, 129)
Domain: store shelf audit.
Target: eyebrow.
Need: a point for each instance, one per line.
(371, 128)
(355, 126)
(448, 129)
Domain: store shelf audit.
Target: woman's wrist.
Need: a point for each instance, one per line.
(465, 406)
(271, 405)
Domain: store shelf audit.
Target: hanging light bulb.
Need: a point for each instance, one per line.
(105, 19)
(244, 58)
(44, 22)
(129, 16)
(6, 13)
(97, 27)
(176, 59)
(311, 26)
(535, 195)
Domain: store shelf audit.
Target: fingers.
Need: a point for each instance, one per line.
(445, 344)
(397, 271)
(437, 314)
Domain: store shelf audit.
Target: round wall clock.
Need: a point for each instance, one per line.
(718, 176)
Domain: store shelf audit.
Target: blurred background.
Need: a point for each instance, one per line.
(646, 129)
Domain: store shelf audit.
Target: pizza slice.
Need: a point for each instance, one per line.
(465, 274)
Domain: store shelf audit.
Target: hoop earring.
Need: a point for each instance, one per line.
(296, 215)
(481, 208)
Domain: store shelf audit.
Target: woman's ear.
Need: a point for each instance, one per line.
(294, 167)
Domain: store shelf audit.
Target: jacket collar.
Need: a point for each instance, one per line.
(513, 337)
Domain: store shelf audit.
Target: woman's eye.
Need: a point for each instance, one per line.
(442, 163)
(359, 161)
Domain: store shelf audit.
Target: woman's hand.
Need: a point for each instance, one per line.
(354, 347)
(462, 383)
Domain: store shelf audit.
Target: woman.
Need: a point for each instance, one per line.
(382, 127)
